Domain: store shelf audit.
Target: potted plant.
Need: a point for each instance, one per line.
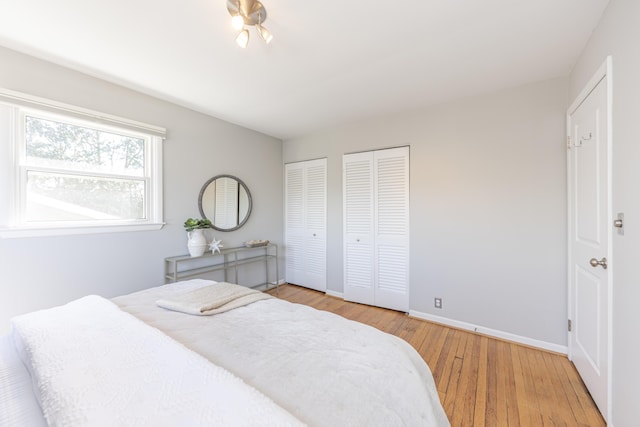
(196, 241)
(195, 224)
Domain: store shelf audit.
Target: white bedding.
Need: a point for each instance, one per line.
(18, 404)
(95, 365)
(322, 368)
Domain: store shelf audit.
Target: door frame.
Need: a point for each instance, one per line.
(604, 75)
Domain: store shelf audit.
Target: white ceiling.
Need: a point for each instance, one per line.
(331, 62)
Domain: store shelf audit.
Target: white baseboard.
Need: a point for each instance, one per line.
(334, 294)
(491, 332)
(562, 349)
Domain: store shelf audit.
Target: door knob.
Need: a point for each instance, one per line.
(594, 263)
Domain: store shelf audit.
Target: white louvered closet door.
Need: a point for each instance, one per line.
(315, 259)
(305, 223)
(358, 213)
(391, 172)
(376, 224)
(294, 222)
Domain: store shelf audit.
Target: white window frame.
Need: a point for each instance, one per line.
(12, 223)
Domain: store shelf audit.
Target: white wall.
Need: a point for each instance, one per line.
(617, 35)
(488, 206)
(42, 272)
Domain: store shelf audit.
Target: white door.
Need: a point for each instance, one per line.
(294, 222)
(358, 216)
(590, 223)
(315, 254)
(376, 228)
(391, 172)
(305, 223)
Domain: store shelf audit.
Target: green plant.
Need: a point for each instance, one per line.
(194, 223)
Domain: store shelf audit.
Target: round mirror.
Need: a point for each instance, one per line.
(226, 201)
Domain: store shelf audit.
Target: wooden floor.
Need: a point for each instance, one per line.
(481, 381)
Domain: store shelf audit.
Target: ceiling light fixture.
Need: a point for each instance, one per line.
(237, 22)
(264, 33)
(243, 39)
(246, 13)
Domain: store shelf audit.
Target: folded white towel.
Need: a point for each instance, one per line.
(213, 299)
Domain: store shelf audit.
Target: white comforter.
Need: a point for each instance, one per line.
(322, 368)
(95, 365)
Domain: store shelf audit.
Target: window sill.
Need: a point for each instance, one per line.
(19, 232)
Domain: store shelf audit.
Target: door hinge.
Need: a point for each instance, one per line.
(568, 142)
(569, 325)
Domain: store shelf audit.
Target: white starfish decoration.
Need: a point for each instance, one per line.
(215, 245)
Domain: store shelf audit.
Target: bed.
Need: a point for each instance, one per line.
(269, 362)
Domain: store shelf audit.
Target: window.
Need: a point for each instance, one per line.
(76, 173)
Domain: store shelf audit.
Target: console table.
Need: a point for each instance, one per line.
(185, 266)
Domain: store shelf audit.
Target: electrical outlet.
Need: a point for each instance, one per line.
(437, 302)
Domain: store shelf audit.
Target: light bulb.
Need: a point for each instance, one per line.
(243, 39)
(264, 33)
(237, 22)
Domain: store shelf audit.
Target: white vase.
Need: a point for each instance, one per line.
(196, 242)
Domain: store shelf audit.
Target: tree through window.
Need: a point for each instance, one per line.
(79, 173)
